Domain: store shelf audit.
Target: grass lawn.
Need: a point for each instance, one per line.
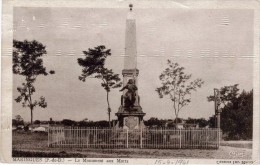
(35, 145)
(27, 140)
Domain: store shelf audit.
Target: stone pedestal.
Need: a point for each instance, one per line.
(130, 119)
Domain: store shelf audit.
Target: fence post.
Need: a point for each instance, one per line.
(126, 138)
(206, 130)
(218, 137)
(49, 136)
(94, 137)
(180, 138)
(141, 138)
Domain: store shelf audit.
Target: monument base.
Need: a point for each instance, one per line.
(130, 118)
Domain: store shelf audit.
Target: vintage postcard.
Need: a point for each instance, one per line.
(130, 82)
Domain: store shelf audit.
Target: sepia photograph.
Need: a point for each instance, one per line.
(133, 82)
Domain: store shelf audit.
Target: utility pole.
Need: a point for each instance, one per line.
(217, 110)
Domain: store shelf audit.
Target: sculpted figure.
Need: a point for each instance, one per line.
(129, 96)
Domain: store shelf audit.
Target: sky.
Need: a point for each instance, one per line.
(215, 45)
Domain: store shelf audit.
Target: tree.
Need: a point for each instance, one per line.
(228, 94)
(212, 121)
(27, 62)
(177, 85)
(94, 67)
(237, 112)
(201, 122)
(177, 120)
(37, 122)
(155, 122)
(18, 120)
(102, 123)
(68, 122)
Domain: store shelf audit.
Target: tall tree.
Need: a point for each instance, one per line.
(178, 86)
(228, 94)
(27, 62)
(237, 112)
(94, 67)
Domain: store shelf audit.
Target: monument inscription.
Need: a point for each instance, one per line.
(131, 122)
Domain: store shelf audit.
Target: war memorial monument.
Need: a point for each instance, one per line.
(130, 114)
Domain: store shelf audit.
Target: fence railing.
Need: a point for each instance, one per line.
(141, 138)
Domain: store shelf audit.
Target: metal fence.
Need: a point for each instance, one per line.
(142, 138)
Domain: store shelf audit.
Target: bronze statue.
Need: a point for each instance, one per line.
(130, 95)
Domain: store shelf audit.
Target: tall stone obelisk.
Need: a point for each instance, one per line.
(130, 118)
